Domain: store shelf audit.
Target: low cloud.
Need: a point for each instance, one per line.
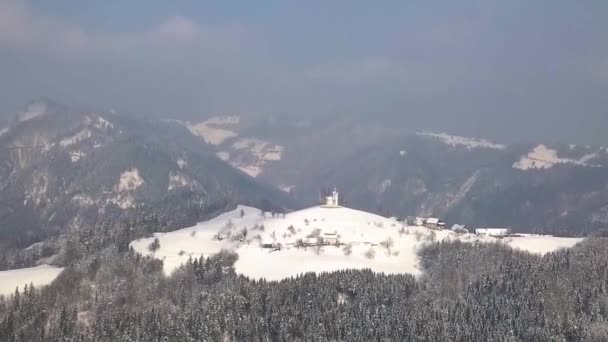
(470, 74)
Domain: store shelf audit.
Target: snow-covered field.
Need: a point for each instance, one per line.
(541, 244)
(39, 275)
(365, 241)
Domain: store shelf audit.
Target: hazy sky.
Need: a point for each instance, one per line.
(506, 69)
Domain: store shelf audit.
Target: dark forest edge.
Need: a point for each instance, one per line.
(469, 292)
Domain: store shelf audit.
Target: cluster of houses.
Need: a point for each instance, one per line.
(438, 224)
(326, 239)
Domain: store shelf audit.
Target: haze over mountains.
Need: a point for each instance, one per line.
(509, 71)
(557, 188)
(528, 186)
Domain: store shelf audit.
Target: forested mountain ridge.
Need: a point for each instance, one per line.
(544, 187)
(561, 189)
(61, 170)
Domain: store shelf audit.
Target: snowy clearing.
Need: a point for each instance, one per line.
(39, 276)
(542, 157)
(76, 138)
(251, 154)
(251, 170)
(541, 244)
(212, 134)
(223, 155)
(316, 239)
(180, 180)
(469, 143)
(129, 180)
(261, 149)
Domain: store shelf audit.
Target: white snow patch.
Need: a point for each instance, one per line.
(224, 120)
(39, 276)
(213, 136)
(223, 155)
(76, 138)
(38, 187)
(541, 244)
(180, 180)
(83, 199)
(181, 163)
(252, 154)
(209, 131)
(260, 149)
(251, 170)
(123, 200)
(402, 153)
(287, 188)
(103, 123)
(76, 155)
(469, 143)
(359, 230)
(129, 180)
(464, 190)
(3, 130)
(542, 157)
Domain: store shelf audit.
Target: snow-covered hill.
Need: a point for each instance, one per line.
(364, 241)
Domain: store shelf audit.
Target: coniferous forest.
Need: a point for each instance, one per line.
(469, 292)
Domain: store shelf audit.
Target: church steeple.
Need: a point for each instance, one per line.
(333, 200)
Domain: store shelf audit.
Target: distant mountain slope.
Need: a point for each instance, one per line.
(551, 188)
(283, 150)
(548, 187)
(60, 169)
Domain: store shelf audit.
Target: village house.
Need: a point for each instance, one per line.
(330, 239)
(434, 223)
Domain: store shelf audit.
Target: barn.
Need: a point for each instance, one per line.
(434, 223)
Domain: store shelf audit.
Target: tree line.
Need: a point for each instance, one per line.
(468, 292)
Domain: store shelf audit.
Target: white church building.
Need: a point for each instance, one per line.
(332, 201)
